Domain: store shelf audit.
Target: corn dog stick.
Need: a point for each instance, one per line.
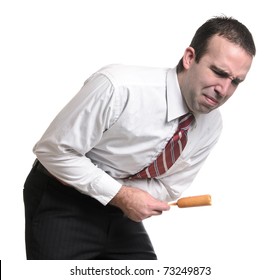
(193, 201)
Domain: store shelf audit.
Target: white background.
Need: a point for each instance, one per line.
(48, 49)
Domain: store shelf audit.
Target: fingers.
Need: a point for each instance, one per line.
(156, 213)
(164, 206)
(157, 207)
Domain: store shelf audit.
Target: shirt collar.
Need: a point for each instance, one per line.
(176, 105)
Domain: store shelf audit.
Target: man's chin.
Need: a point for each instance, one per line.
(203, 110)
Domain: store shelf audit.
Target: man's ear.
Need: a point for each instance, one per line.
(189, 57)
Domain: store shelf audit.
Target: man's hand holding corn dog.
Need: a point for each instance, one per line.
(137, 204)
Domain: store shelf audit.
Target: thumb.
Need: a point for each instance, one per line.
(163, 206)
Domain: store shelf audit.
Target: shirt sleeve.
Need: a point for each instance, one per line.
(77, 129)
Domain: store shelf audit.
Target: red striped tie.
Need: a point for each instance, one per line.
(171, 152)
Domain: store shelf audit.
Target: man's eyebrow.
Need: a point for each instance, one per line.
(225, 74)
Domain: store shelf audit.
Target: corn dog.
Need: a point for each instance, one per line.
(193, 201)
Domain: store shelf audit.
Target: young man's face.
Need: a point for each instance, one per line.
(211, 82)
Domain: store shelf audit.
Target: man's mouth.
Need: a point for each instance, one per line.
(212, 102)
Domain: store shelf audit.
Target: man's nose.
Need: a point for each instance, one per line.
(223, 87)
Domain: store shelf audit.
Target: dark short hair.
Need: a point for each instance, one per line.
(227, 27)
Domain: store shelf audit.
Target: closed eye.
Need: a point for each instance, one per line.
(223, 74)
(219, 72)
(236, 81)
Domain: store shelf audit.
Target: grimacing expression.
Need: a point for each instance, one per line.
(208, 84)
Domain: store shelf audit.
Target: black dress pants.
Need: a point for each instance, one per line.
(63, 224)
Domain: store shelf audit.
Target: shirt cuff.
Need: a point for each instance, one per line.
(104, 189)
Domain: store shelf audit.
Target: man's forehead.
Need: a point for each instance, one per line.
(227, 56)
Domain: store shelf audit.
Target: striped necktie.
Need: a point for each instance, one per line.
(171, 152)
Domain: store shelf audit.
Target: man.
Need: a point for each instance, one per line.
(111, 159)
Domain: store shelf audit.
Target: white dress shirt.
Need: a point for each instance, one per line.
(116, 125)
